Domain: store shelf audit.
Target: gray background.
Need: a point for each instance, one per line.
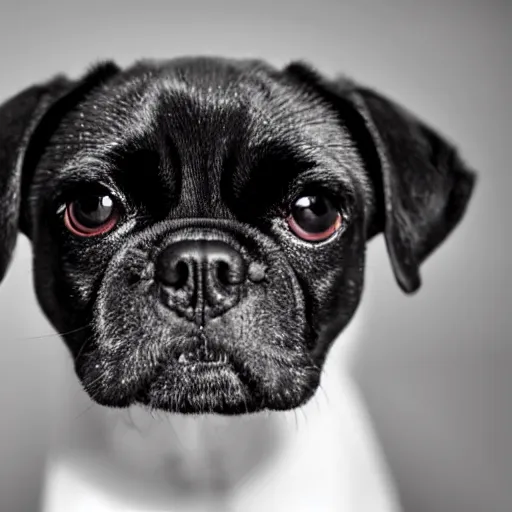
(435, 368)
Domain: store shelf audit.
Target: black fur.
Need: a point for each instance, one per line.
(214, 151)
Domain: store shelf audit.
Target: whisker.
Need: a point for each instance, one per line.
(324, 392)
(296, 420)
(87, 409)
(130, 422)
(94, 382)
(316, 401)
(82, 348)
(52, 335)
(301, 409)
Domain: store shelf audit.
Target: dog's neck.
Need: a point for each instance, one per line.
(319, 457)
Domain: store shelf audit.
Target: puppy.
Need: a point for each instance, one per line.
(199, 229)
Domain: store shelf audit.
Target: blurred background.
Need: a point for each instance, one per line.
(436, 368)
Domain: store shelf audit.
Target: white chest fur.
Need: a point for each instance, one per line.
(322, 457)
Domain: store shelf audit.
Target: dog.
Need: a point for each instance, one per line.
(199, 228)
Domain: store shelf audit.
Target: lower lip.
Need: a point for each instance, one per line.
(200, 367)
(186, 362)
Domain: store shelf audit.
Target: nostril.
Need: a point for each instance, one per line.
(223, 272)
(179, 274)
(173, 272)
(230, 273)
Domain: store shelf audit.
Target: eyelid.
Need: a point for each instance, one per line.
(71, 190)
(342, 204)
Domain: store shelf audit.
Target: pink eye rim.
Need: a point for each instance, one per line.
(315, 237)
(314, 217)
(78, 229)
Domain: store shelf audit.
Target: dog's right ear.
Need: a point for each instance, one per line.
(422, 186)
(27, 122)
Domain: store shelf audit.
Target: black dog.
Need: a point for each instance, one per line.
(199, 225)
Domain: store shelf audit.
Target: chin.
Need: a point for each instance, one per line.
(195, 379)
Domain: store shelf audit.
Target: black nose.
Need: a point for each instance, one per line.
(200, 279)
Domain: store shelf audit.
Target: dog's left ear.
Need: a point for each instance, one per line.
(27, 121)
(422, 187)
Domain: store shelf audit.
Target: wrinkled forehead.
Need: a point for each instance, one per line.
(198, 104)
(203, 119)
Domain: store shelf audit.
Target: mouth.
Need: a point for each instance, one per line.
(201, 356)
(196, 378)
(201, 376)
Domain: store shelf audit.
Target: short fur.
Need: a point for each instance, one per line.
(213, 149)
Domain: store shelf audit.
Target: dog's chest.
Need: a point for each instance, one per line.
(321, 457)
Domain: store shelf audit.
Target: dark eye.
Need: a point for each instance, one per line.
(314, 218)
(91, 215)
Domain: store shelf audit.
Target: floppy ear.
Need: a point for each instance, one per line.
(27, 121)
(422, 185)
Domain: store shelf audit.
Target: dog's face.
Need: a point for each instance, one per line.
(199, 225)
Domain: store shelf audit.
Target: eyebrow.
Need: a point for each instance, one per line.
(277, 163)
(84, 168)
(119, 168)
(277, 170)
(297, 162)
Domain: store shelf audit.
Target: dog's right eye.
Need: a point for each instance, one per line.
(91, 215)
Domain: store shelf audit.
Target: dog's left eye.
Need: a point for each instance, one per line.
(91, 215)
(314, 218)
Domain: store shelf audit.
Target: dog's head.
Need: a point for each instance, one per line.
(199, 225)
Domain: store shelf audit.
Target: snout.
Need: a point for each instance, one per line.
(200, 316)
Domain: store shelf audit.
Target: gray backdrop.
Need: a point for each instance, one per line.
(434, 368)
